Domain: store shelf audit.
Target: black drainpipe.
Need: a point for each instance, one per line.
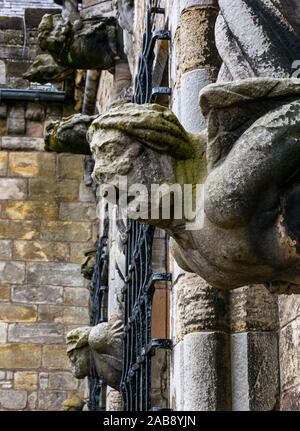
(7, 94)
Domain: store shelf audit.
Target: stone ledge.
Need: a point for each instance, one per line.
(16, 143)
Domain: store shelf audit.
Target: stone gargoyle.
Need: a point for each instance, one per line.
(45, 69)
(103, 342)
(248, 160)
(89, 43)
(68, 134)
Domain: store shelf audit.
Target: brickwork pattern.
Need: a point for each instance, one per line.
(16, 7)
(47, 219)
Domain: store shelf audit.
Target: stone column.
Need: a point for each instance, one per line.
(200, 370)
(254, 349)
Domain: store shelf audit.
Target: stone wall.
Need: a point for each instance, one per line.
(15, 8)
(47, 220)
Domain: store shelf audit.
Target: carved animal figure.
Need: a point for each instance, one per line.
(103, 342)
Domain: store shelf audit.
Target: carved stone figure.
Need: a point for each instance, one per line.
(45, 69)
(103, 342)
(68, 134)
(247, 158)
(89, 43)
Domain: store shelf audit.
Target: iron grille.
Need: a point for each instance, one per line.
(139, 282)
(98, 313)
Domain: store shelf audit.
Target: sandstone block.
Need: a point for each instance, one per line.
(13, 400)
(37, 295)
(5, 249)
(76, 296)
(199, 307)
(197, 35)
(17, 313)
(50, 333)
(34, 112)
(253, 308)
(19, 229)
(86, 194)
(70, 166)
(4, 292)
(77, 250)
(31, 164)
(34, 129)
(3, 333)
(41, 251)
(16, 121)
(289, 353)
(63, 381)
(3, 163)
(22, 143)
(26, 380)
(57, 274)
(12, 188)
(31, 210)
(12, 272)
(63, 190)
(55, 357)
(51, 400)
(65, 231)
(77, 211)
(20, 356)
(43, 380)
(50, 313)
(76, 315)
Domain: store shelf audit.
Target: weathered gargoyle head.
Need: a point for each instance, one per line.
(104, 343)
(45, 69)
(248, 162)
(89, 43)
(68, 134)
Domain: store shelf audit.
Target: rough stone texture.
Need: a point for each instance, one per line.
(290, 400)
(26, 380)
(77, 211)
(55, 357)
(30, 210)
(5, 249)
(62, 381)
(57, 274)
(22, 143)
(64, 190)
(197, 35)
(263, 375)
(50, 400)
(114, 401)
(37, 295)
(15, 124)
(19, 229)
(66, 231)
(199, 307)
(76, 296)
(20, 356)
(207, 372)
(31, 165)
(50, 333)
(13, 400)
(3, 163)
(70, 166)
(289, 348)
(17, 313)
(12, 188)
(289, 308)
(41, 251)
(12, 272)
(253, 308)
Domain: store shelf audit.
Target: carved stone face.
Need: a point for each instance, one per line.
(80, 362)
